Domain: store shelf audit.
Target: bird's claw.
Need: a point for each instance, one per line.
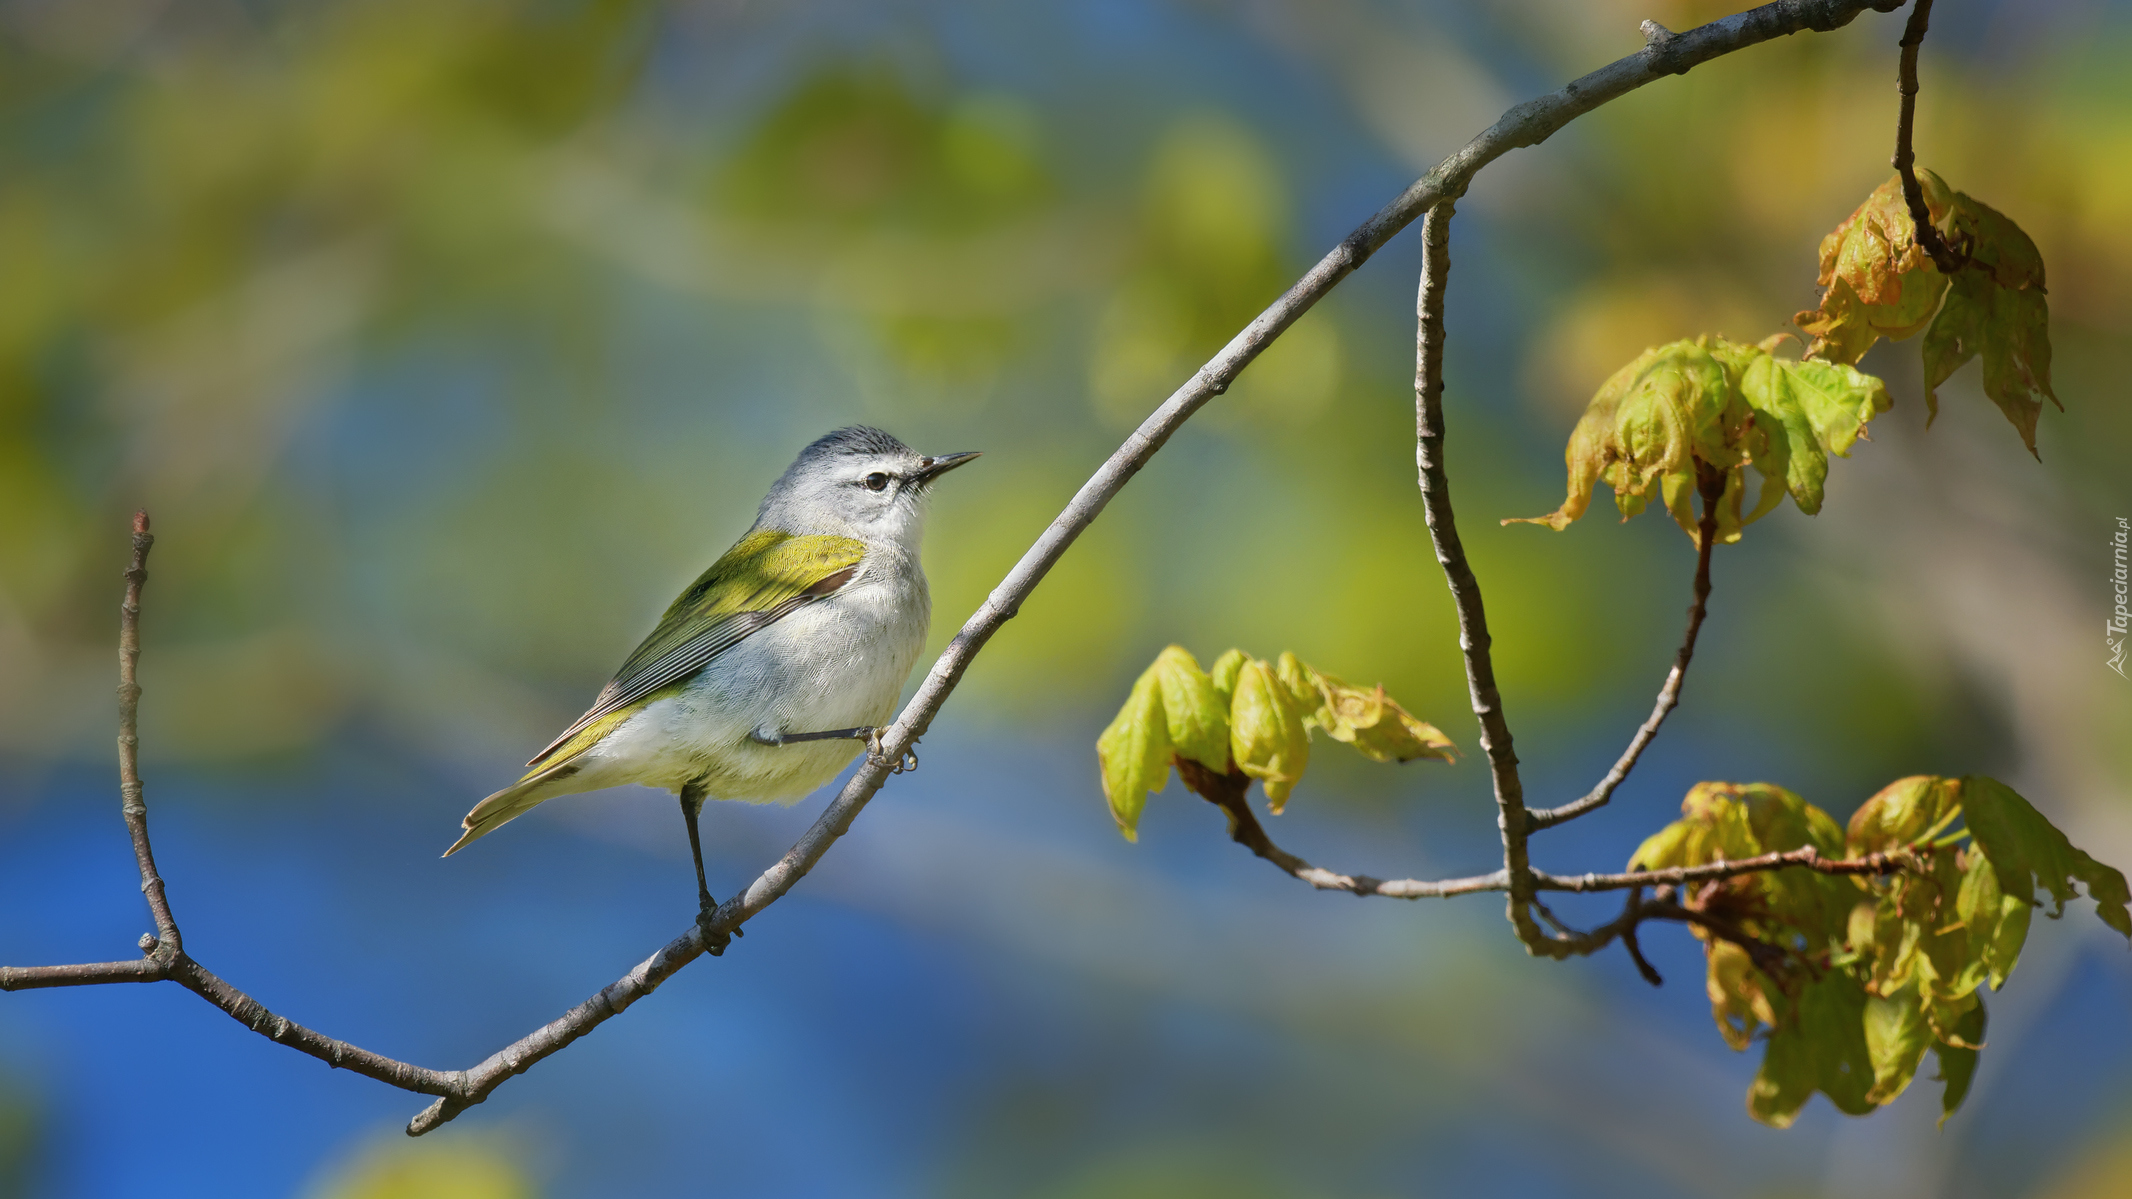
(875, 756)
(714, 941)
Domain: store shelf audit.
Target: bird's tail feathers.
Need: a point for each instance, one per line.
(511, 803)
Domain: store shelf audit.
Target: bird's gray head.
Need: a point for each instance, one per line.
(856, 482)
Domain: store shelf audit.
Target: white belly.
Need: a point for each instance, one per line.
(836, 664)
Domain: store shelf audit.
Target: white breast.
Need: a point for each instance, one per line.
(836, 663)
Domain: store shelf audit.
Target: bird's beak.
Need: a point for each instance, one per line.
(932, 468)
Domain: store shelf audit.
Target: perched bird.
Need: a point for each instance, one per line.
(762, 679)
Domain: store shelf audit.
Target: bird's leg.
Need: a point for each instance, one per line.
(692, 796)
(831, 735)
(868, 733)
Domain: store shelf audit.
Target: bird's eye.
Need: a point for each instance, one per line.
(876, 481)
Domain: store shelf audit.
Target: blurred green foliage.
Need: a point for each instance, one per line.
(556, 327)
(21, 1120)
(467, 1166)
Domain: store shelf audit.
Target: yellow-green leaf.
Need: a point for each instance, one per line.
(1738, 1001)
(1891, 963)
(1682, 410)
(1135, 754)
(1896, 1038)
(1266, 734)
(1645, 429)
(1782, 821)
(1810, 410)
(1196, 715)
(1664, 849)
(1373, 722)
(2026, 852)
(1902, 812)
(1997, 923)
(1713, 827)
(1304, 687)
(1223, 673)
(1949, 966)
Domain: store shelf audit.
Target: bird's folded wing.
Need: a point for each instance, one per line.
(763, 578)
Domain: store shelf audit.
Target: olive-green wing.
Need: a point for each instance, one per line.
(763, 578)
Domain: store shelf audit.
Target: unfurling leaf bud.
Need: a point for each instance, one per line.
(1266, 733)
(1196, 713)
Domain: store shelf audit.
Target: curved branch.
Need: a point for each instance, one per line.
(1668, 694)
(1473, 639)
(1226, 791)
(1526, 124)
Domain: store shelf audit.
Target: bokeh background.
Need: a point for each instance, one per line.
(446, 339)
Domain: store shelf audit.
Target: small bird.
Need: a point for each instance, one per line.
(762, 679)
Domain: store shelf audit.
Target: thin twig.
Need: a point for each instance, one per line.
(132, 802)
(1228, 792)
(1668, 694)
(1943, 255)
(1526, 124)
(1806, 857)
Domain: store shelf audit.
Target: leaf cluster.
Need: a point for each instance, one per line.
(1246, 715)
(1693, 412)
(1854, 978)
(1879, 282)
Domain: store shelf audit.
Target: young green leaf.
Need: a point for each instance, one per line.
(1304, 689)
(1223, 673)
(1713, 827)
(1682, 410)
(1739, 994)
(2027, 852)
(1997, 923)
(1903, 812)
(1645, 430)
(1949, 965)
(1196, 714)
(1896, 1037)
(1810, 410)
(1266, 734)
(1135, 753)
